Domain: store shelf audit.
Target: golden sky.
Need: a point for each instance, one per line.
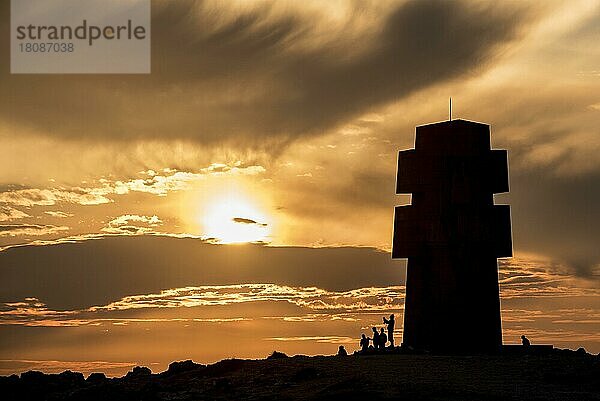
(279, 122)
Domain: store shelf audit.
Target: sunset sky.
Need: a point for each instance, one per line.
(239, 199)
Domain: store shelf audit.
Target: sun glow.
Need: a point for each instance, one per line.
(234, 218)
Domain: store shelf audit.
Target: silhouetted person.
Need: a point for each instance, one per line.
(525, 341)
(382, 338)
(342, 351)
(375, 338)
(364, 343)
(390, 328)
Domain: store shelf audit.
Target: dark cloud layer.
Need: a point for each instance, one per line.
(260, 75)
(560, 216)
(97, 272)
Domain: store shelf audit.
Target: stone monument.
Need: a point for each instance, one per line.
(452, 234)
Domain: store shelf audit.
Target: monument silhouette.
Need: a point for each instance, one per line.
(452, 234)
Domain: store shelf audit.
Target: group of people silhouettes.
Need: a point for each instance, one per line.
(379, 339)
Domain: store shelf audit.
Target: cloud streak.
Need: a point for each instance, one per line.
(243, 220)
(15, 230)
(49, 197)
(32, 312)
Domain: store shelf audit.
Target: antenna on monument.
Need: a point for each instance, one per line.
(450, 113)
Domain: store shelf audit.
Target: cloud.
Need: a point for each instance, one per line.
(264, 73)
(320, 280)
(243, 220)
(8, 213)
(532, 278)
(313, 298)
(142, 224)
(125, 265)
(124, 219)
(58, 214)
(48, 197)
(15, 230)
(556, 216)
(160, 185)
(317, 303)
(97, 193)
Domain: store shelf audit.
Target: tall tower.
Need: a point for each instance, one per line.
(452, 235)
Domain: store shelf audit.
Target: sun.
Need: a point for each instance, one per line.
(234, 218)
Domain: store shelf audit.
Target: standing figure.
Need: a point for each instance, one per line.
(375, 338)
(390, 329)
(382, 339)
(364, 343)
(525, 341)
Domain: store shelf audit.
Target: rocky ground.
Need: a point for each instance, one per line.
(559, 375)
